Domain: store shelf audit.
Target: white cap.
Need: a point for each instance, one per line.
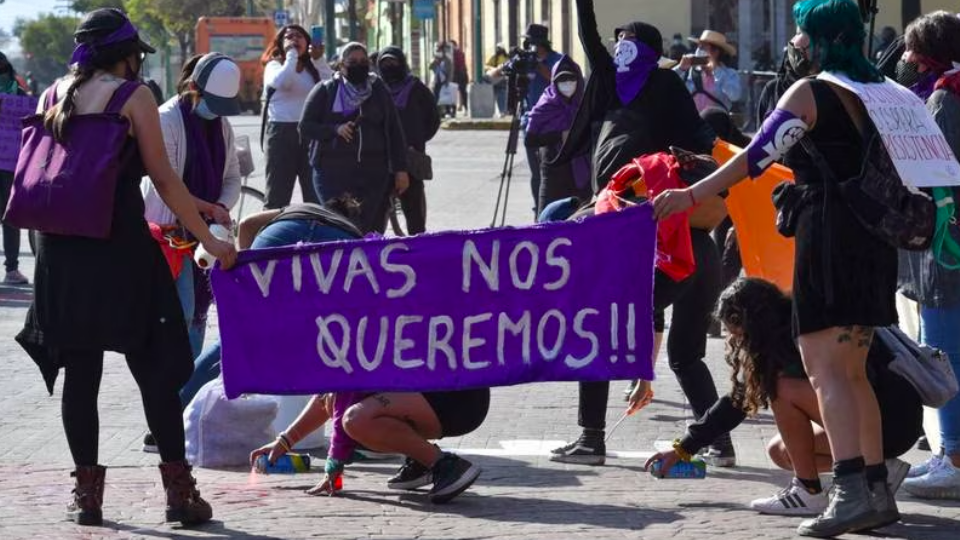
(218, 78)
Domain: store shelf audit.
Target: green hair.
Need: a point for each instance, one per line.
(837, 37)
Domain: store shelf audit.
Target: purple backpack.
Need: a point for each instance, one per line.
(68, 188)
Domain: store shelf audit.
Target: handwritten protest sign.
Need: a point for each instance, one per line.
(916, 144)
(12, 110)
(568, 301)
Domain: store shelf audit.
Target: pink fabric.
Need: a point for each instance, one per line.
(341, 444)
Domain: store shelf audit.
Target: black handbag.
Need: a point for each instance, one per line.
(419, 164)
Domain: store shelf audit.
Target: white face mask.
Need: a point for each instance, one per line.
(567, 88)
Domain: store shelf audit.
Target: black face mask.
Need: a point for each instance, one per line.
(797, 62)
(358, 73)
(392, 74)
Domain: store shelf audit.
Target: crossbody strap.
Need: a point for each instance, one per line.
(263, 115)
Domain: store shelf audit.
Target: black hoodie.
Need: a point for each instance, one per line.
(662, 115)
(420, 118)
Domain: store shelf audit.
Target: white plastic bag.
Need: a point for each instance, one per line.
(222, 432)
(448, 95)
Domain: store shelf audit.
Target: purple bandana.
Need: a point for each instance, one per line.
(401, 91)
(84, 52)
(635, 61)
(350, 97)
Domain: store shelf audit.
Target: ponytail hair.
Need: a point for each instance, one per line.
(56, 119)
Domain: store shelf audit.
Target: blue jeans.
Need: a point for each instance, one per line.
(206, 367)
(196, 330)
(940, 328)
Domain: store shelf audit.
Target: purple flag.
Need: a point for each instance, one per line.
(567, 301)
(12, 110)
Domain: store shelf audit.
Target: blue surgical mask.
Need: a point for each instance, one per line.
(203, 111)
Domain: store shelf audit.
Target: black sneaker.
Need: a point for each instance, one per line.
(452, 475)
(411, 475)
(581, 452)
(923, 444)
(150, 444)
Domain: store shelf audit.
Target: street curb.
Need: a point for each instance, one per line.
(479, 124)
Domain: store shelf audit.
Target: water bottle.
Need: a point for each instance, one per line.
(695, 469)
(203, 257)
(285, 464)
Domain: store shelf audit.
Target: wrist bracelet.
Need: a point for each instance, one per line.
(284, 442)
(681, 453)
(693, 200)
(333, 466)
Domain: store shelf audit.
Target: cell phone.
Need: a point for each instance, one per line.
(699, 60)
(316, 35)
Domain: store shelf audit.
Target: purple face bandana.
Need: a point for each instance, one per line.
(635, 62)
(84, 52)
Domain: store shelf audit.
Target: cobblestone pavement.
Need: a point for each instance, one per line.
(520, 494)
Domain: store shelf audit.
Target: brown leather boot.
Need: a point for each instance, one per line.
(86, 508)
(184, 503)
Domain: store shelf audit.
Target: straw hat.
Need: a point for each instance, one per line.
(716, 39)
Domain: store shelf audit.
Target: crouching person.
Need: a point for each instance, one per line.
(401, 423)
(768, 373)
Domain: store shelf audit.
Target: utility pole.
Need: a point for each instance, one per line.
(330, 21)
(249, 8)
(352, 18)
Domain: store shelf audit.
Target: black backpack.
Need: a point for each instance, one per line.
(903, 217)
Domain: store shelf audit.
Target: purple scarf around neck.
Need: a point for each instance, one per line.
(400, 92)
(635, 61)
(206, 154)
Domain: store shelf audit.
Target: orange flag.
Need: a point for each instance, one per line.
(764, 252)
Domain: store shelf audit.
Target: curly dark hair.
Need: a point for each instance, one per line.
(935, 35)
(759, 317)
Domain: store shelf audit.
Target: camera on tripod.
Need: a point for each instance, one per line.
(518, 69)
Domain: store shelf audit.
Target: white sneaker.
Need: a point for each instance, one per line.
(942, 482)
(793, 500)
(919, 470)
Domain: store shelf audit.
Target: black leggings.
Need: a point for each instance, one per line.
(693, 300)
(81, 422)
(729, 252)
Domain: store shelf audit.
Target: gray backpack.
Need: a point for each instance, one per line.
(927, 369)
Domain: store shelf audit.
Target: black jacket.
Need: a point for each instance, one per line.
(378, 140)
(663, 115)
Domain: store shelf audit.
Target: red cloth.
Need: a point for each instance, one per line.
(949, 82)
(173, 255)
(646, 177)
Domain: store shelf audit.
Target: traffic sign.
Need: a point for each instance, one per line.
(281, 17)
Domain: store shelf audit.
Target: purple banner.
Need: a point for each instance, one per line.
(12, 111)
(569, 301)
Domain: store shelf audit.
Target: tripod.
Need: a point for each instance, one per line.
(869, 10)
(506, 174)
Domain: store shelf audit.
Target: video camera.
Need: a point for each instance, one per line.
(522, 63)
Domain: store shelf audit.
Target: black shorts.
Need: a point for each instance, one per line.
(459, 412)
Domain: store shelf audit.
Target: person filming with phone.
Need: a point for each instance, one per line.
(707, 75)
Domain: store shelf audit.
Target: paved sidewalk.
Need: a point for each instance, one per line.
(521, 495)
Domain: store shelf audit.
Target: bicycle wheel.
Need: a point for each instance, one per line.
(251, 202)
(394, 213)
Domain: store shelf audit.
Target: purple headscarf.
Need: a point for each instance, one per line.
(84, 53)
(635, 61)
(207, 153)
(555, 113)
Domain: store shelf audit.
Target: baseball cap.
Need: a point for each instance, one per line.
(218, 78)
(109, 25)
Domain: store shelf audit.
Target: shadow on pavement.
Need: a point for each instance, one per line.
(213, 530)
(529, 509)
(16, 297)
(919, 527)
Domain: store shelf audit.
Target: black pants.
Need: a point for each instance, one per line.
(533, 160)
(729, 252)
(11, 235)
(81, 422)
(288, 161)
(414, 204)
(693, 301)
